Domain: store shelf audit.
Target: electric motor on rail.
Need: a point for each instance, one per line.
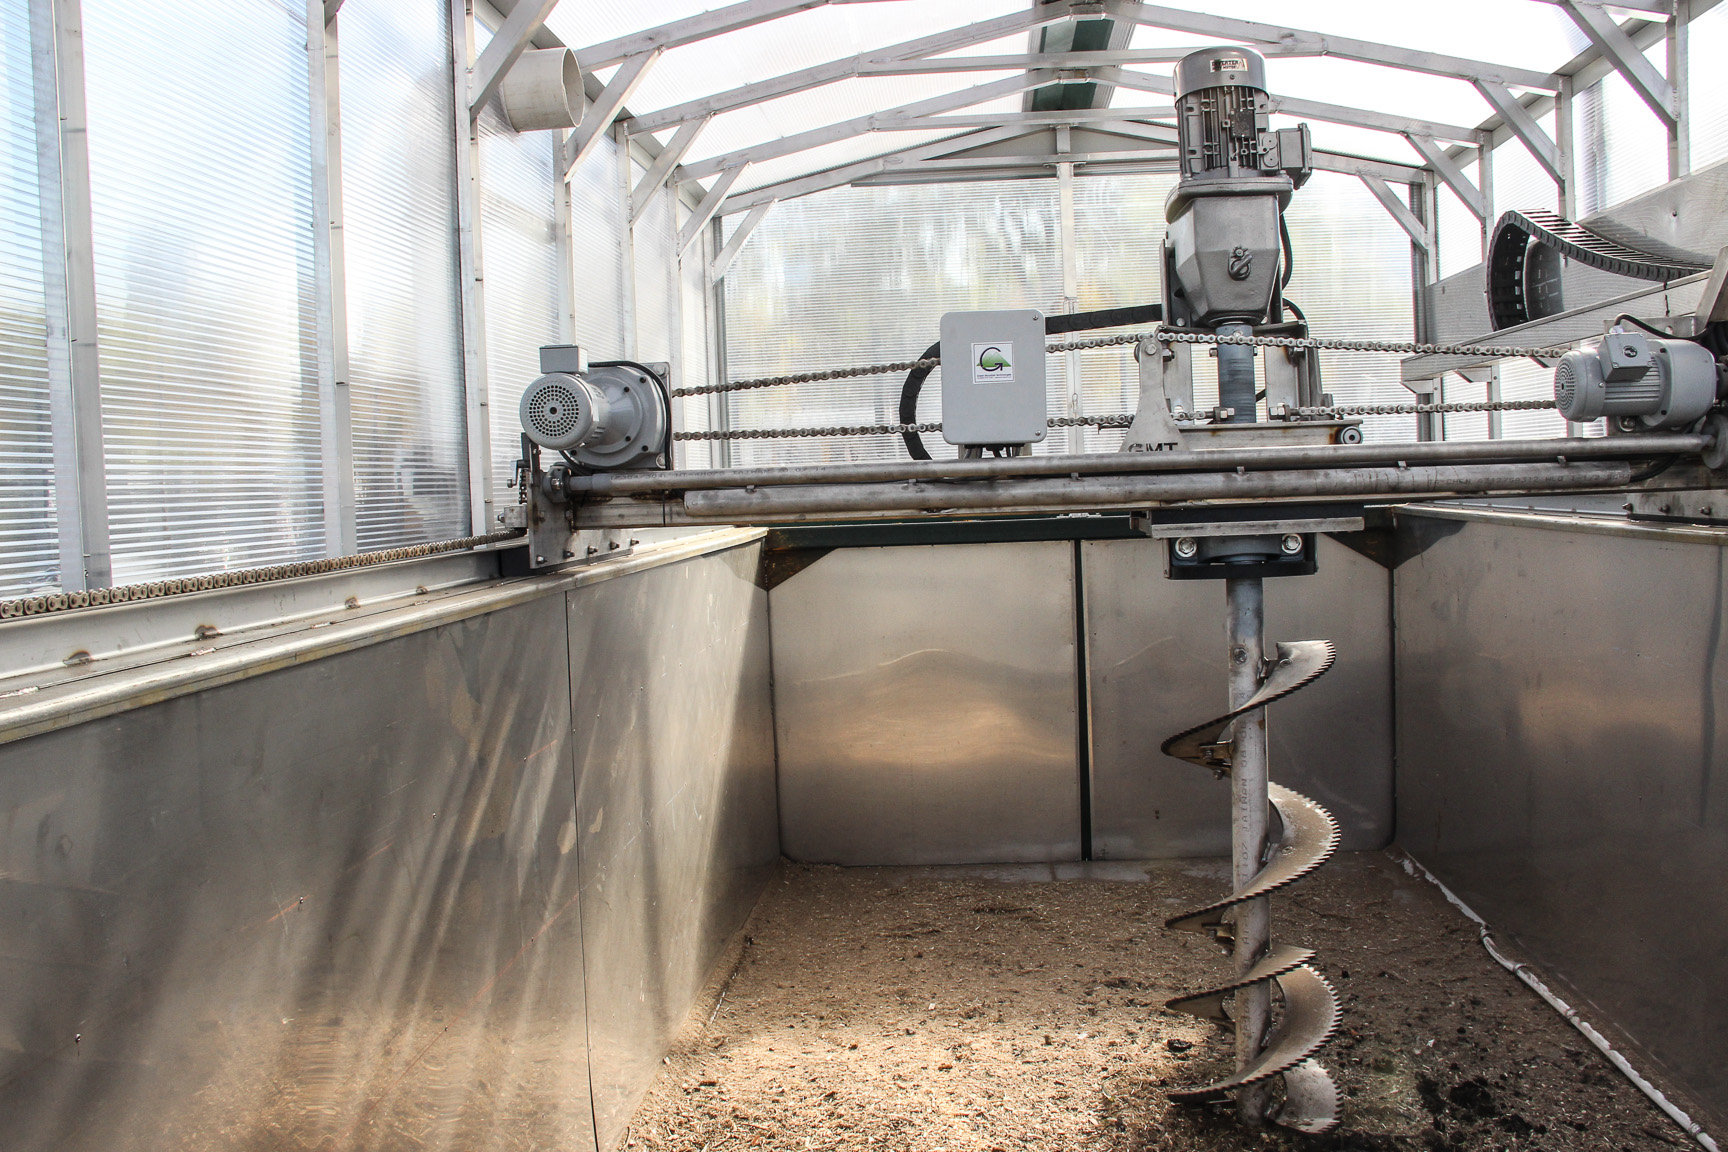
(1657, 383)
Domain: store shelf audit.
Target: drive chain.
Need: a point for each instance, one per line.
(1119, 420)
(1162, 334)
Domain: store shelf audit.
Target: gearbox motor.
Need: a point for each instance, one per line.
(604, 416)
(1662, 384)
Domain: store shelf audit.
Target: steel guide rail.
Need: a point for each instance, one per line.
(1127, 463)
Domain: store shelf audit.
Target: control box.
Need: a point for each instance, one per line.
(993, 378)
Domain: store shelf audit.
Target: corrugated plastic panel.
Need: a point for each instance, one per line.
(863, 275)
(203, 239)
(1709, 92)
(656, 243)
(597, 250)
(520, 253)
(405, 345)
(1622, 147)
(29, 548)
(690, 365)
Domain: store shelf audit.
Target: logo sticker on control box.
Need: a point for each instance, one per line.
(992, 363)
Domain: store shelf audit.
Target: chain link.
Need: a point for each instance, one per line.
(1340, 410)
(1119, 420)
(128, 593)
(1162, 334)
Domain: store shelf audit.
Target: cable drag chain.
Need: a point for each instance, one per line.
(1305, 838)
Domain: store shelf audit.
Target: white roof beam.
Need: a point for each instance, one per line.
(1344, 47)
(506, 47)
(1016, 62)
(815, 77)
(1076, 116)
(1617, 48)
(655, 178)
(692, 230)
(1450, 171)
(859, 125)
(1397, 209)
(1315, 110)
(602, 112)
(848, 173)
(1661, 8)
(740, 235)
(1523, 125)
(702, 26)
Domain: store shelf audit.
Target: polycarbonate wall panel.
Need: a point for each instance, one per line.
(656, 277)
(201, 206)
(1622, 146)
(519, 249)
(863, 275)
(404, 320)
(1709, 86)
(597, 236)
(690, 366)
(29, 548)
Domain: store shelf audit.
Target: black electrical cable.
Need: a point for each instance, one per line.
(913, 385)
(1646, 327)
(1653, 471)
(1289, 253)
(1297, 311)
(909, 403)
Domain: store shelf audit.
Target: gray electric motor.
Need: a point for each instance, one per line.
(1664, 384)
(606, 416)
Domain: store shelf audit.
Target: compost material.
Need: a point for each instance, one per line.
(999, 1009)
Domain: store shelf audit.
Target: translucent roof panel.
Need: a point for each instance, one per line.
(1522, 33)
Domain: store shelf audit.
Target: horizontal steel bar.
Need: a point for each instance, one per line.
(772, 505)
(1123, 463)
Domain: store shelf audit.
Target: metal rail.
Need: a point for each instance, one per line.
(764, 505)
(1127, 463)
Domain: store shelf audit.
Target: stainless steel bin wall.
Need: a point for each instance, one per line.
(397, 896)
(1561, 703)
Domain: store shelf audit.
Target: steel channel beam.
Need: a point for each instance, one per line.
(476, 397)
(1219, 460)
(1097, 493)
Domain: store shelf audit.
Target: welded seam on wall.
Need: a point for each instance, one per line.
(31, 712)
(1569, 522)
(1523, 971)
(1082, 701)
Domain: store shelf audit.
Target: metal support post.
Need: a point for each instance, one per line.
(621, 134)
(330, 275)
(474, 388)
(564, 223)
(1485, 182)
(1245, 626)
(69, 277)
(1495, 416)
(1075, 405)
(1565, 150)
(719, 408)
(1679, 68)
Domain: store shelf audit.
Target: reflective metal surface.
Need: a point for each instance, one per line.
(677, 831)
(1155, 658)
(334, 906)
(1561, 702)
(925, 705)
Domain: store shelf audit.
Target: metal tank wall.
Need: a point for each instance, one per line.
(442, 890)
(997, 702)
(1561, 700)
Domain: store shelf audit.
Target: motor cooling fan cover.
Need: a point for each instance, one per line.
(562, 411)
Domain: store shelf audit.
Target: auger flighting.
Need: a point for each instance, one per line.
(1278, 837)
